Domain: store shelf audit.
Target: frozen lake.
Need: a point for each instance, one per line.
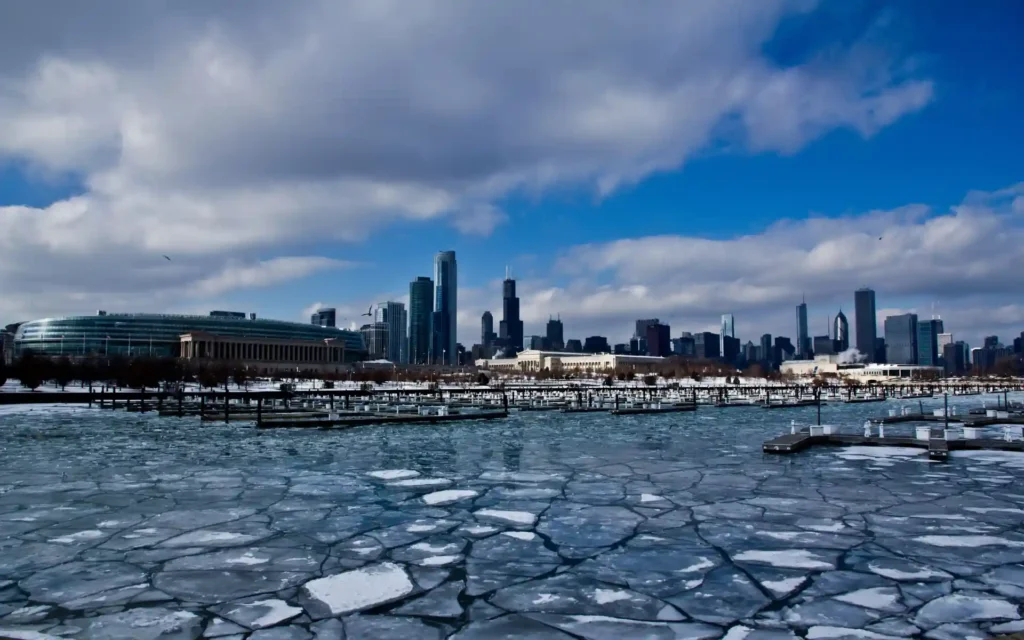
(127, 527)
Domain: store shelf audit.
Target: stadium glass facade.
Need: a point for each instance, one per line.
(142, 335)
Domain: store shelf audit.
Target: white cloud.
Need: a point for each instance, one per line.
(235, 135)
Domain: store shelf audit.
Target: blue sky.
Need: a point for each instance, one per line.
(648, 181)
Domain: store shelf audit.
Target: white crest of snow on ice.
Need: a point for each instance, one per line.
(968, 541)
(26, 634)
(438, 561)
(420, 528)
(739, 632)
(520, 535)
(422, 482)
(874, 598)
(449, 496)
(875, 453)
(608, 596)
(993, 510)
(247, 559)
(71, 538)
(360, 588)
(517, 517)
(651, 497)
(787, 558)
(924, 573)
(844, 633)
(784, 586)
(393, 474)
(783, 535)
(834, 527)
(277, 611)
(700, 565)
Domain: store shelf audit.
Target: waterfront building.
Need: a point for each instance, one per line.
(156, 335)
(803, 340)
(393, 314)
(928, 342)
(866, 324)
(658, 344)
(531, 361)
(901, 339)
(510, 330)
(555, 334)
(421, 311)
(325, 318)
(446, 307)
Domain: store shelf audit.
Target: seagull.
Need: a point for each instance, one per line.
(369, 312)
(167, 258)
(879, 237)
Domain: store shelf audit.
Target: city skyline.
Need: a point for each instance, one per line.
(270, 184)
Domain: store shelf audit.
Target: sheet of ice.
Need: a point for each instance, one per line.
(739, 632)
(421, 482)
(393, 474)
(784, 586)
(789, 558)
(209, 538)
(449, 496)
(515, 517)
(650, 497)
(608, 596)
(963, 608)
(923, 573)
(260, 614)
(438, 561)
(26, 634)
(993, 510)
(91, 534)
(843, 633)
(1011, 459)
(359, 589)
(968, 541)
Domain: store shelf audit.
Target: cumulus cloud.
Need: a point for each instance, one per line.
(960, 264)
(237, 134)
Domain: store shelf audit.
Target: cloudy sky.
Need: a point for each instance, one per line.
(670, 159)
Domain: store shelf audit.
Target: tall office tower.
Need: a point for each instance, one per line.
(446, 307)
(803, 338)
(901, 339)
(324, 318)
(375, 336)
(728, 330)
(555, 334)
(928, 350)
(393, 314)
(658, 342)
(573, 345)
(766, 348)
(867, 326)
(641, 327)
(943, 340)
(596, 344)
(841, 332)
(707, 345)
(953, 358)
(421, 311)
(511, 327)
(486, 329)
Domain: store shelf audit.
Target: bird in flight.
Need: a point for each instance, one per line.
(879, 237)
(167, 258)
(369, 312)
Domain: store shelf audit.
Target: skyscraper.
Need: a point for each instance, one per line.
(841, 332)
(867, 326)
(324, 318)
(486, 329)
(641, 327)
(901, 339)
(928, 350)
(658, 341)
(803, 339)
(421, 311)
(511, 328)
(728, 331)
(446, 307)
(556, 334)
(393, 315)
(766, 348)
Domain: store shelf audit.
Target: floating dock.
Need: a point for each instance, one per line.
(379, 418)
(632, 411)
(938, 447)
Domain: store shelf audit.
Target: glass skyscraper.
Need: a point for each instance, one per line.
(803, 340)
(393, 314)
(866, 325)
(928, 350)
(421, 310)
(510, 329)
(445, 308)
(728, 330)
(841, 332)
(901, 339)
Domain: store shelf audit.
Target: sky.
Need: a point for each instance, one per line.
(677, 160)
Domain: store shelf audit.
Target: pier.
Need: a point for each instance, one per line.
(939, 442)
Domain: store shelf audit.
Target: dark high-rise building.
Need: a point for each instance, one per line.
(324, 318)
(641, 327)
(556, 337)
(953, 358)
(1018, 344)
(841, 332)
(437, 338)
(446, 307)
(638, 345)
(573, 346)
(596, 344)
(486, 329)
(880, 351)
(750, 352)
(823, 346)
(511, 328)
(901, 339)
(621, 349)
(539, 343)
(658, 341)
(766, 348)
(991, 342)
(729, 331)
(928, 342)
(706, 345)
(867, 325)
(784, 348)
(393, 314)
(731, 349)
(421, 311)
(684, 345)
(803, 340)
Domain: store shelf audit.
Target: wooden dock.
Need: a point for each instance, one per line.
(378, 418)
(791, 404)
(938, 447)
(632, 411)
(865, 400)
